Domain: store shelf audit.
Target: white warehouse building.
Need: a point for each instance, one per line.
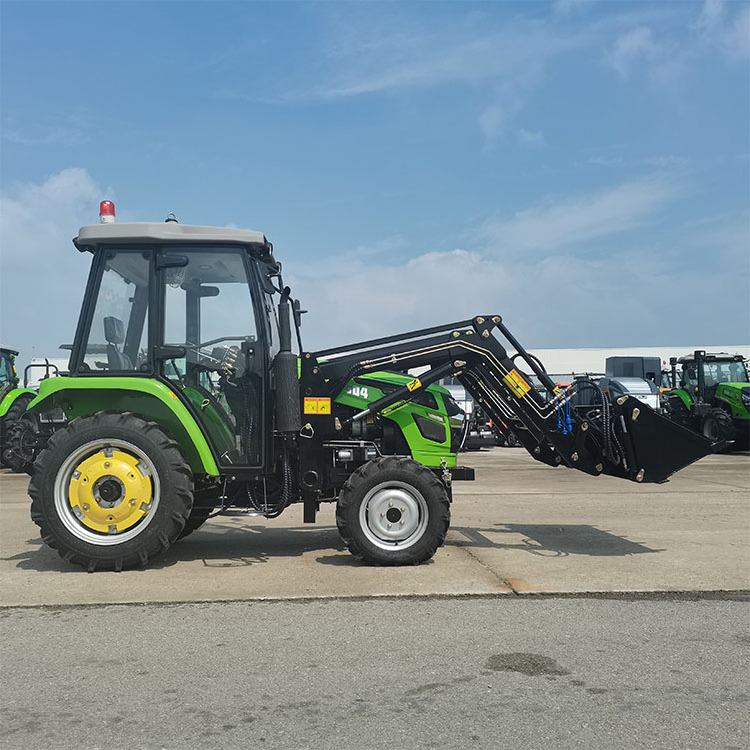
(568, 361)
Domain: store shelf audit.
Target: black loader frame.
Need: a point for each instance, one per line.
(624, 438)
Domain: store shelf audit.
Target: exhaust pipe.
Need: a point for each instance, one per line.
(285, 366)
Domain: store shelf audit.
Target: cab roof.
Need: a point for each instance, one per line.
(718, 357)
(124, 233)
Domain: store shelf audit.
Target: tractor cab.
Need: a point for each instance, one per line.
(711, 394)
(191, 308)
(702, 373)
(8, 374)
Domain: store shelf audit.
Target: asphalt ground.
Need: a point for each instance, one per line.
(520, 528)
(501, 672)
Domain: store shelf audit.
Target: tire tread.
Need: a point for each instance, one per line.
(181, 483)
(349, 498)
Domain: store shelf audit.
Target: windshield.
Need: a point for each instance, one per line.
(7, 369)
(716, 372)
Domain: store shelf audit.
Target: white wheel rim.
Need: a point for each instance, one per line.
(393, 515)
(65, 511)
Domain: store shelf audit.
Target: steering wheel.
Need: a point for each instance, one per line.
(217, 359)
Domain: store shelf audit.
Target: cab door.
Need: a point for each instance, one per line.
(213, 349)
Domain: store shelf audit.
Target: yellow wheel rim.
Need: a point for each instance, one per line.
(110, 491)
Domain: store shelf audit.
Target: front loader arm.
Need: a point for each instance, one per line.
(625, 438)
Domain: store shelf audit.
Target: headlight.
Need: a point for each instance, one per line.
(746, 397)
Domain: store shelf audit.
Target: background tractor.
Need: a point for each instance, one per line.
(710, 393)
(13, 403)
(190, 394)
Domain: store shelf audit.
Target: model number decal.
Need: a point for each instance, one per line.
(360, 391)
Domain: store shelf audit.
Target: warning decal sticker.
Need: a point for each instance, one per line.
(412, 385)
(315, 405)
(516, 383)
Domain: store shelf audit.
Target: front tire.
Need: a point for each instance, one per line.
(717, 426)
(111, 491)
(393, 511)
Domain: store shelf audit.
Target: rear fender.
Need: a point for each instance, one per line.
(683, 395)
(148, 398)
(10, 398)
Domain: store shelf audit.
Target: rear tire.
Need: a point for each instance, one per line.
(22, 444)
(111, 491)
(7, 423)
(393, 511)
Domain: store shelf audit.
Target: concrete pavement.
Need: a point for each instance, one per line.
(520, 528)
(485, 673)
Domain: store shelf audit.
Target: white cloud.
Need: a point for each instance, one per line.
(712, 15)
(569, 6)
(531, 138)
(657, 161)
(665, 56)
(738, 38)
(369, 52)
(387, 61)
(529, 273)
(64, 130)
(381, 248)
(552, 225)
(494, 119)
(632, 291)
(633, 48)
(729, 32)
(633, 297)
(350, 305)
(42, 276)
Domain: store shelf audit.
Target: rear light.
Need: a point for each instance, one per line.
(106, 212)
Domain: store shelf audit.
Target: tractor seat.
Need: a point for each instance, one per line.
(114, 333)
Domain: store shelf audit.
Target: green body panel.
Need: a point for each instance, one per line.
(731, 395)
(213, 419)
(79, 397)
(10, 398)
(684, 397)
(359, 395)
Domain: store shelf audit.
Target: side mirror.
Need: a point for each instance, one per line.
(169, 352)
(298, 313)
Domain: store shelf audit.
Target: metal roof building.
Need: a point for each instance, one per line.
(567, 361)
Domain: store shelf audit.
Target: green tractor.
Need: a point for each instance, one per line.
(711, 394)
(13, 403)
(189, 395)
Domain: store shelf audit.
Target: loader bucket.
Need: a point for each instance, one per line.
(657, 446)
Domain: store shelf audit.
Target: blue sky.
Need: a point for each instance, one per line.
(580, 167)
